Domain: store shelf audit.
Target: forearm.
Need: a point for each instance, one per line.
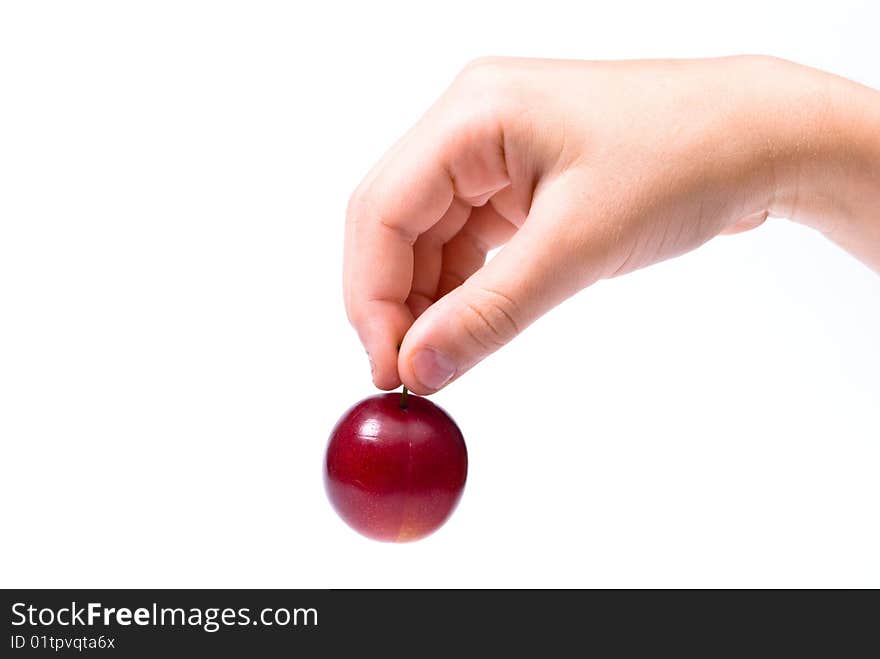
(830, 174)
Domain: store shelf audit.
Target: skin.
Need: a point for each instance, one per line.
(585, 171)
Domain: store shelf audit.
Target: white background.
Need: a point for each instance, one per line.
(174, 350)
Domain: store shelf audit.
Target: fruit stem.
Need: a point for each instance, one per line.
(403, 397)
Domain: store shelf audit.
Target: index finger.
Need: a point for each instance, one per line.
(408, 194)
(455, 151)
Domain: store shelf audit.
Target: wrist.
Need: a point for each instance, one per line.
(855, 217)
(827, 157)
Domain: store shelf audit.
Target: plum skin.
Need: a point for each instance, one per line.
(395, 474)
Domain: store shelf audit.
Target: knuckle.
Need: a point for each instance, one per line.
(486, 84)
(357, 203)
(481, 67)
(355, 318)
(357, 315)
(490, 319)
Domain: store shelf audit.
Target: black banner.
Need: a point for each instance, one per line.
(151, 623)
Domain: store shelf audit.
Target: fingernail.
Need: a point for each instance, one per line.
(432, 369)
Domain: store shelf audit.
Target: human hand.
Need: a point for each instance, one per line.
(584, 171)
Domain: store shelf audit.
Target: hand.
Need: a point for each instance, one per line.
(584, 171)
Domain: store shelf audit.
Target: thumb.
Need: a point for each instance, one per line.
(527, 278)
